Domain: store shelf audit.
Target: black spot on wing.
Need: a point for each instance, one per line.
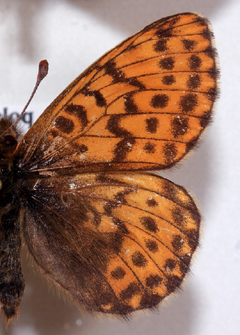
(139, 260)
(100, 100)
(152, 125)
(64, 124)
(188, 102)
(160, 45)
(114, 127)
(168, 80)
(78, 111)
(118, 273)
(189, 44)
(169, 152)
(194, 62)
(167, 63)
(119, 76)
(122, 148)
(159, 101)
(130, 105)
(193, 81)
(180, 126)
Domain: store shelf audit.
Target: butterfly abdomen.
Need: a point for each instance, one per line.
(11, 277)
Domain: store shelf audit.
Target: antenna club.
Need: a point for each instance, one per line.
(43, 69)
(42, 72)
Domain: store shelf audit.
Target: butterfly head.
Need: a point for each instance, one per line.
(8, 138)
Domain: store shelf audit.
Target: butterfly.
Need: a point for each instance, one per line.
(75, 189)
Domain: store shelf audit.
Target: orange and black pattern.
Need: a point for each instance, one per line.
(145, 104)
(132, 236)
(114, 238)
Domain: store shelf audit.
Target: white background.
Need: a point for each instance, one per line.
(71, 34)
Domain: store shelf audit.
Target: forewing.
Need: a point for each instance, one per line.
(144, 104)
(116, 243)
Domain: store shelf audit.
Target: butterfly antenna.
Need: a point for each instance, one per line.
(42, 72)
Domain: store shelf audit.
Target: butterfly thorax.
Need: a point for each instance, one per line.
(11, 278)
(8, 144)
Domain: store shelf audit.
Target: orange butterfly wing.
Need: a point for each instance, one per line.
(116, 243)
(120, 242)
(145, 104)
